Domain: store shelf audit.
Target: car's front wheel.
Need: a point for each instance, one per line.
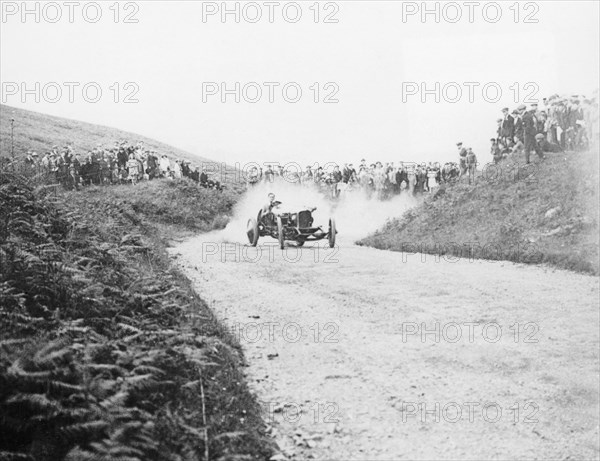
(332, 232)
(252, 231)
(280, 232)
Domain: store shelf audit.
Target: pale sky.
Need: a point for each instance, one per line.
(368, 55)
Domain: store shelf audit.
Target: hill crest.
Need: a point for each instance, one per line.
(39, 132)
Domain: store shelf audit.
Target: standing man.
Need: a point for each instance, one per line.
(122, 157)
(530, 125)
(336, 178)
(401, 177)
(352, 174)
(471, 164)
(345, 174)
(462, 153)
(307, 177)
(269, 175)
(519, 134)
(203, 178)
(508, 127)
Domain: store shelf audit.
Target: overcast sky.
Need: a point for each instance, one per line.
(367, 56)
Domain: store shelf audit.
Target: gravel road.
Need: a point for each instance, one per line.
(361, 354)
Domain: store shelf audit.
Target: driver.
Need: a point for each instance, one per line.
(270, 204)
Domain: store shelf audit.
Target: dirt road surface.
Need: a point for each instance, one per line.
(360, 354)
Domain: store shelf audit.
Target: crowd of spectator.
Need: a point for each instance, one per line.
(379, 180)
(120, 164)
(557, 124)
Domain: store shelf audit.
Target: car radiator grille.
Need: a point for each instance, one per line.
(305, 219)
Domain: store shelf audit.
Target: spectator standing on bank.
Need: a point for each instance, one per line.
(471, 165)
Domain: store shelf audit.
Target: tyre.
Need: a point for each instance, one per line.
(332, 232)
(252, 231)
(300, 242)
(280, 232)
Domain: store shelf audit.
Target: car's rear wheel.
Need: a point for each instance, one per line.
(252, 231)
(300, 242)
(332, 232)
(280, 232)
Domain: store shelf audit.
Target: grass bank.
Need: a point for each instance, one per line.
(545, 212)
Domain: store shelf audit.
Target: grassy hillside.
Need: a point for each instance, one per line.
(33, 130)
(544, 213)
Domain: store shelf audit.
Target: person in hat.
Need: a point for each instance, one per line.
(122, 157)
(535, 108)
(74, 173)
(575, 114)
(269, 175)
(530, 130)
(471, 164)
(307, 175)
(177, 169)
(401, 178)
(185, 169)
(152, 165)
(164, 165)
(551, 127)
(45, 161)
(195, 174)
(518, 126)
(353, 178)
(204, 177)
(545, 145)
(319, 174)
(133, 168)
(345, 174)
(114, 173)
(462, 161)
(542, 117)
(561, 114)
(507, 129)
(495, 151)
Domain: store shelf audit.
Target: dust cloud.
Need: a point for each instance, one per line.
(356, 215)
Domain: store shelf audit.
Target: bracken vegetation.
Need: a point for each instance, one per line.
(106, 351)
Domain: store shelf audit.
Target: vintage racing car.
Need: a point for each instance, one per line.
(296, 226)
